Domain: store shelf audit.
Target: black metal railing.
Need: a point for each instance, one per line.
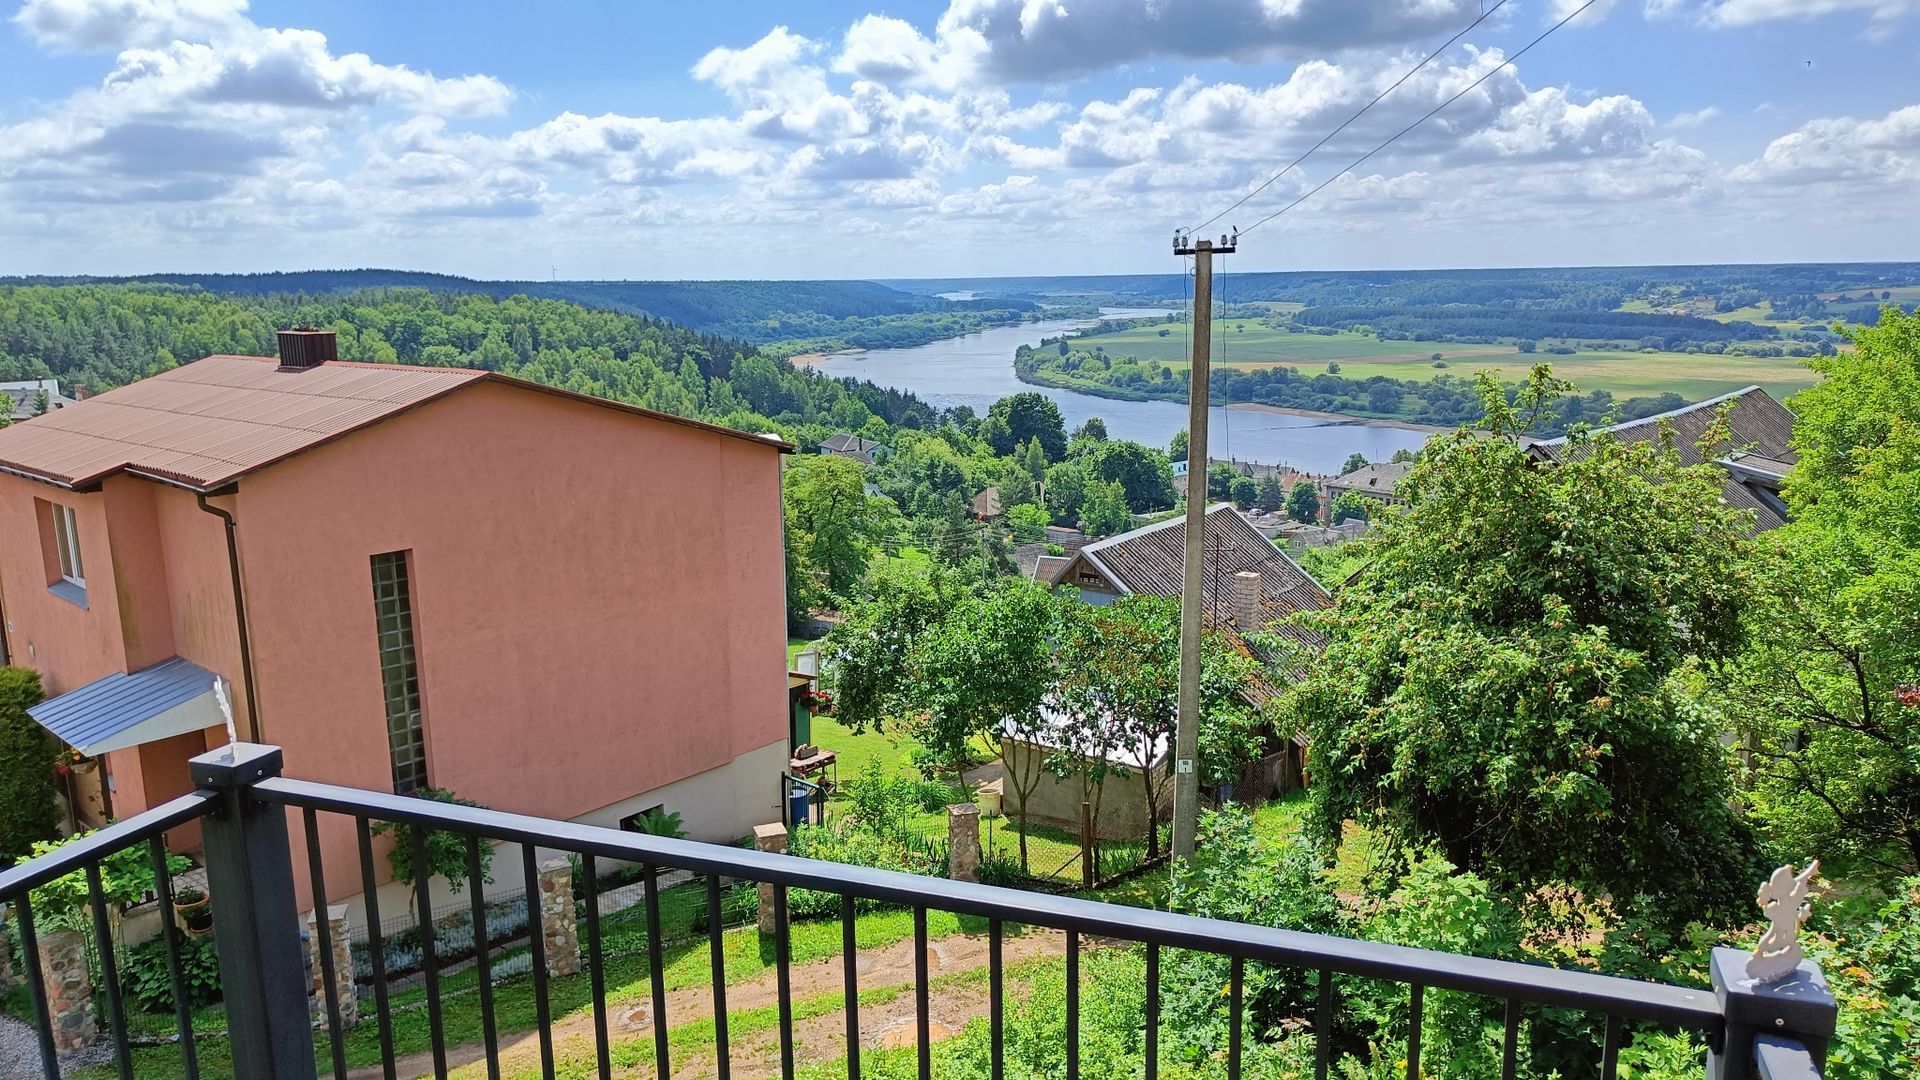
(1777, 1033)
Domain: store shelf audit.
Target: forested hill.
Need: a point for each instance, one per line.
(1591, 288)
(108, 335)
(752, 310)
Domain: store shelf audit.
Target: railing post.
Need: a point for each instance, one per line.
(256, 922)
(1797, 1008)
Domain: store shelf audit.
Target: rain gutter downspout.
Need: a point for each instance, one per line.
(239, 608)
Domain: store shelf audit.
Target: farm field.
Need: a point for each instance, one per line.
(1361, 356)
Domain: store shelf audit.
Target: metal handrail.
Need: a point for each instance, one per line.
(1626, 999)
(90, 849)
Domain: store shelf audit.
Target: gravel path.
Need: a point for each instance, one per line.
(20, 1052)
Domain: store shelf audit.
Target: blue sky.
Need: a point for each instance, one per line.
(739, 139)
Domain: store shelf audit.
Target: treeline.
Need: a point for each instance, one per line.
(1490, 323)
(1445, 400)
(716, 306)
(105, 336)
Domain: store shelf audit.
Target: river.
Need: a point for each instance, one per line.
(977, 370)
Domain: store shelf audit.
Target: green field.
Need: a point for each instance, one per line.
(1360, 356)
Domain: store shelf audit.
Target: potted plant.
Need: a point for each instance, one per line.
(190, 906)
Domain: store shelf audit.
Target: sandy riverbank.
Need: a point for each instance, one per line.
(807, 359)
(1339, 418)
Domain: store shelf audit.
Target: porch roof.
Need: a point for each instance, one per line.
(170, 698)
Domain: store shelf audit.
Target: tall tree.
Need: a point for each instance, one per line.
(1024, 416)
(1355, 460)
(1177, 447)
(1303, 503)
(1272, 494)
(27, 809)
(1104, 511)
(832, 523)
(1508, 679)
(1094, 430)
(1830, 692)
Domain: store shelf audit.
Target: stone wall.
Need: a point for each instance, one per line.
(558, 927)
(63, 966)
(343, 993)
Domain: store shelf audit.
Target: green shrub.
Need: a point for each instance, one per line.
(148, 984)
(858, 846)
(28, 812)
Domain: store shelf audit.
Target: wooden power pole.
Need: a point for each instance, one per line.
(1186, 741)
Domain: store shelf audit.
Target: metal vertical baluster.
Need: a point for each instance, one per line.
(1236, 993)
(783, 961)
(1414, 1019)
(537, 935)
(1510, 1046)
(376, 950)
(1610, 1050)
(921, 1018)
(323, 943)
(851, 978)
(429, 962)
(996, 987)
(182, 1005)
(1151, 1056)
(1073, 1005)
(110, 973)
(36, 986)
(482, 963)
(1323, 1027)
(717, 952)
(596, 973)
(656, 972)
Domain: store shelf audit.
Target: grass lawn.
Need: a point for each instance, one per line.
(1360, 356)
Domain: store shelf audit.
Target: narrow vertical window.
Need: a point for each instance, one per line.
(399, 672)
(66, 539)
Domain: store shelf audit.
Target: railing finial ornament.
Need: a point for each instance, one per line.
(1784, 900)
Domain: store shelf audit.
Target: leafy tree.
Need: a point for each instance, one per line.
(1094, 430)
(1104, 512)
(1355, 460)
(1403, 455)
(1177, 448)
(1353, 506)
(1303, 503)
(1029, 522)
(1245, 491)
(1828, 692)
(1508, 680)
(869, 657)
(1024, 416)
(28, 811)
(1066, 490)
(1220, 478)
(1146, 476)
(445, 852)
(41, 402)
(1034, 458)
(1272, 495)
(832, 523)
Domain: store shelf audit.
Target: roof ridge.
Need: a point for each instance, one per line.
(1669, 414)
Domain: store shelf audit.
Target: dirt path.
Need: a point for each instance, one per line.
(888, 1024)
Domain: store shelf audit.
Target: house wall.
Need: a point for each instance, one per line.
(1123, 799)
(596, 604)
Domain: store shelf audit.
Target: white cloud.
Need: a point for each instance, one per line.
(112, 25)
(1696, 118)
(1882, 152)
(1746, 12)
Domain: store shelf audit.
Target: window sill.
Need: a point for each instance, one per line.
(71, 593)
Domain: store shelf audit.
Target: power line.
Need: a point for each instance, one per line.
(1411, 72)
(1357, 162)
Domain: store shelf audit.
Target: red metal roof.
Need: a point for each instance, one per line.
(206, 424)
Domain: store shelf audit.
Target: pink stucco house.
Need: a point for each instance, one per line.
(547, 602)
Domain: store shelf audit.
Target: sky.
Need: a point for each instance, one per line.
(739, 139)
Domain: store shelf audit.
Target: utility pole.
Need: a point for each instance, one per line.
(1186, 740)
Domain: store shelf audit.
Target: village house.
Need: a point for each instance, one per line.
(23, 397)
(1376, 481)
(850, 446)
(407, 577)
(1757, 453)
(1249, 587)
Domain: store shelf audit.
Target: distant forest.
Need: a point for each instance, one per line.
(815, 315)
(103, 336)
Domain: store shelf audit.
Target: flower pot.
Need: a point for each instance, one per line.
(200, 923)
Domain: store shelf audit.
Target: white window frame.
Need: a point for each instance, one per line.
(66, 538)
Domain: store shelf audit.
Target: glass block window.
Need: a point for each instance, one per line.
(399, 672)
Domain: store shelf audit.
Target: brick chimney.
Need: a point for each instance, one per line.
(81, 391)
(304, 347)
(1246, 599)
